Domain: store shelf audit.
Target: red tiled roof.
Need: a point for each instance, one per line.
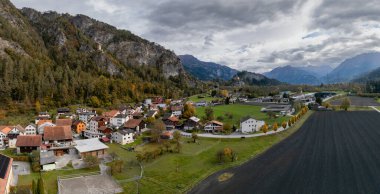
(63, 122)
(176, 108)
(40, 122)
(57, 133)
(5, 129)
(111, 113)
(75, 123)
(215, 122)
(173, 119)
(132, 123)
(29, 141)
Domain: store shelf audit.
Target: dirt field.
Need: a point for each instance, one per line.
(358, 101)
(333, 152)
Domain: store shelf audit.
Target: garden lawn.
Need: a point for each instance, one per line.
(178, 172)
(239, 111)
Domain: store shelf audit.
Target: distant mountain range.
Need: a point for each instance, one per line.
(206, 71)
(354, 68)
(255, 79)
(293, 75)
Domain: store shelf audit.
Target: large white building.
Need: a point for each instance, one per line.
(31, 129)
(123, 136)
(250, 125)
(119, 120)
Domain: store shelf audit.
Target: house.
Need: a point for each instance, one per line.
(47, 160)
(63, 111)
(58, 138)
(28, 143)
(12, 135)
(171, 122)
(118, 120)
(111, 113)
(213, 126)
(31, 129)
(176, 110)
(201, 103)
(41, 127)
(157, 99)
(135, 125)
(151, 114)
(63, 122)
(86, 116)
(105, 131)
(250, 125)
(282, 109)
(123, 136)
(4, 130)
(6, 174)
(137, 115)
(90, 147)
(78, 126)
(148, 102)
(191, 123)
(42, 116)
(95, 123)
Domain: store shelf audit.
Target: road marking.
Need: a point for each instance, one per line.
(374, 108)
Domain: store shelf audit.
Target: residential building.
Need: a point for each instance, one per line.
(28, 143)
(201, 103)
(111, 114)
(58, 138)
(135, 125)
(118, 120)
(4, 130)
(31, 129)
(95, 123)
(191, 123)
(177, 110)
(41, 127)
(78, 126)
(123, 137)
(250, 125)
(47, 161)
(90, 147)
(171, 122)
(86, 116)
(151, 114)
(6, 174)
(63, 111)
(63, 122)
(213, 126)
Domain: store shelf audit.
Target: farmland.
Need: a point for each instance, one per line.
(333, 152)
(358, 101)
(239, 111)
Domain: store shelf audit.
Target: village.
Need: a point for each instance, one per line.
(82, 138)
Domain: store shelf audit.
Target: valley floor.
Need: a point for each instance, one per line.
(333, 152)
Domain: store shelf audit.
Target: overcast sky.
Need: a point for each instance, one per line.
(254, 35)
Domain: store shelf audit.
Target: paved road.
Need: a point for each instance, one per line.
(333, 152)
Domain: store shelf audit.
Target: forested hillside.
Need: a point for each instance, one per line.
(60, 59)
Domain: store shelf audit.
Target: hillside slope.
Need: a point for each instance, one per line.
(206, 70)
(61, 59)
(293, 75)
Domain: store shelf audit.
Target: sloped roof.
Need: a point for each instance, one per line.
(5, 129)
(29, 141)
(88, 145)
(111, 113)
(176, 108)
(173, 119)
(132, 123)
(78, 122)
(98, 118)
(195, 119)
(63, 122)
(40, 122)
(215, 122)
(47, 157)
(57, 133)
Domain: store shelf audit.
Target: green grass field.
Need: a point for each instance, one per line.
(239, 111)
(179, 172)
(204, 97)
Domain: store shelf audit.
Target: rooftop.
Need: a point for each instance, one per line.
(57, 133)
(29, 141)
(88, 145)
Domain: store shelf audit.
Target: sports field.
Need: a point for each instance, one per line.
(333, 152)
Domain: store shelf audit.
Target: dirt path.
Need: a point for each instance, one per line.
(333, 152)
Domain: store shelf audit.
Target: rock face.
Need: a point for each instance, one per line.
(254, 79)
(115, 45)
(206, 70)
